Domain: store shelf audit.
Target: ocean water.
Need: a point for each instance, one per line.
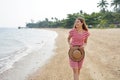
(17, 43)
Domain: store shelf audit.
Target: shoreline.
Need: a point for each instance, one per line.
(96, 64)
(101, 59)
(29, 63)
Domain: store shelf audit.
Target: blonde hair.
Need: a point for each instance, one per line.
(84, 26)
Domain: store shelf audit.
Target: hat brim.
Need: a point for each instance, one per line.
(71, 50)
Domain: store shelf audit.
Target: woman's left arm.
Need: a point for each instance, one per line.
(85, 42)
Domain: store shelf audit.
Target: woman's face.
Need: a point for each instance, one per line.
(78, 23)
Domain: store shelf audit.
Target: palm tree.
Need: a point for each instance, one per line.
(81, 12)
(56, 19)
(103, 5)
(116, 4)
(32, 21)
(52, 18)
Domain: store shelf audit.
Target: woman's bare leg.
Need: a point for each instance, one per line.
(76, 74)
(78, 71)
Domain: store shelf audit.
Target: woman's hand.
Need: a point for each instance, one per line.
(70, 46)
(83, 45)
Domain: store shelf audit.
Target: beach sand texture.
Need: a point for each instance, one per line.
(102, 60)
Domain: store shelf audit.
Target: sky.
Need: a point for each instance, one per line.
(14, 13)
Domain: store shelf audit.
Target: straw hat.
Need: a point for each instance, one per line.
(76, 53)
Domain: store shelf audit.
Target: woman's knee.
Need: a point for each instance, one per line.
(76, 71)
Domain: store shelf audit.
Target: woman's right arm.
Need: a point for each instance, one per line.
(69, 38)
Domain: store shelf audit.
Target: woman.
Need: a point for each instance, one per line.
(78, 37)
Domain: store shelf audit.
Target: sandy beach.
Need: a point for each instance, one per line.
(102, 60)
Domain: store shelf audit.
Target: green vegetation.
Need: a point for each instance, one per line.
(103, 19)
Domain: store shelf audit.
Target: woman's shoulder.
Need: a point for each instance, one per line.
(72, 30)
(86, 32)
